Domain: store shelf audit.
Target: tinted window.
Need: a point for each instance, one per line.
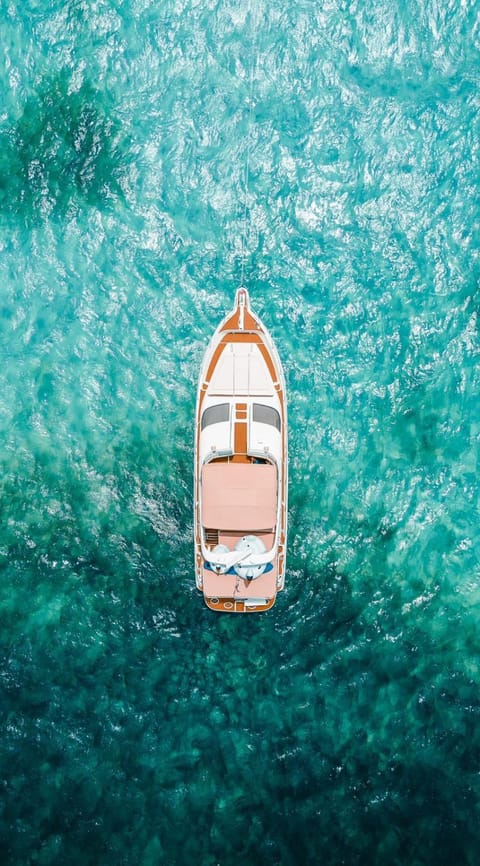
(215, 415)
(266, 415)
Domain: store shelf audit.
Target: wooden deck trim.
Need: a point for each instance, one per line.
(231, 605)
(241, 337)
(240, 438)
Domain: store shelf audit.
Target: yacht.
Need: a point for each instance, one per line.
(240, 514)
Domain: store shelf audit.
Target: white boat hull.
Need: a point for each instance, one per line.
(241, 467)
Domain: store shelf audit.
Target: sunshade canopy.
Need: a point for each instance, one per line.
(240, 497)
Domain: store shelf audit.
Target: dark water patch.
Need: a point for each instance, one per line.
(290, 119)
(423, 87)
(268, 752)
(416, 425)
(65, 151)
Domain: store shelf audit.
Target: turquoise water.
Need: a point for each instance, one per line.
(343, 727)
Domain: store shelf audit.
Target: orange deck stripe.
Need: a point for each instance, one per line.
(241, 337)
(232, 321)
(240, 440)
(213, 363)
(269, 362)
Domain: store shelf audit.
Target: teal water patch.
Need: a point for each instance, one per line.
(137, 727)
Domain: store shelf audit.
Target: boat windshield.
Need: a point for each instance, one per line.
(215, 415)
(266, 415)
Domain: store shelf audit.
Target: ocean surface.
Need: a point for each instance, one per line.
(137, 727)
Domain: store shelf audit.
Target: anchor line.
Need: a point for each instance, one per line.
(253, 70)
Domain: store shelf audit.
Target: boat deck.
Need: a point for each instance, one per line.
(232, 586)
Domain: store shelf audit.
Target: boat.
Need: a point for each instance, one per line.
(241, 469)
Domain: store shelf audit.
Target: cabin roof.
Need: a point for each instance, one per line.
(241, 497)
